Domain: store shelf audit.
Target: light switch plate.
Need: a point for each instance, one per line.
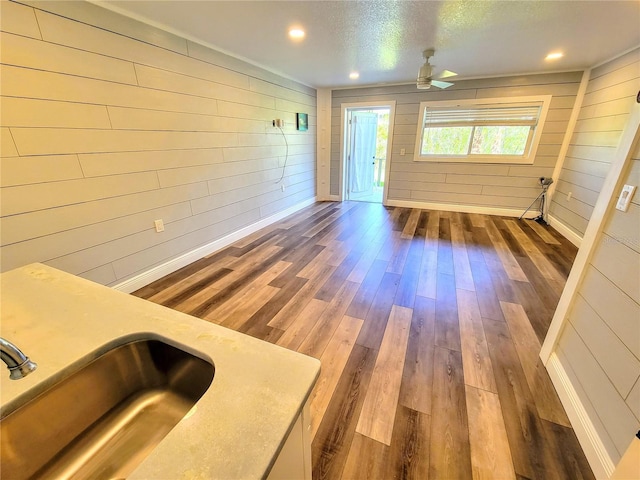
(625, 197)
(159, 224)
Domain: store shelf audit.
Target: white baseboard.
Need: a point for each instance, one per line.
(328, 198)
(595, 451)
(565, 231)
(448, 207)
(145, 278)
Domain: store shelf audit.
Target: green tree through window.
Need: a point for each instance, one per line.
(482, 130)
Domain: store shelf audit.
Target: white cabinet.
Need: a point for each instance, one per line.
(294, 461)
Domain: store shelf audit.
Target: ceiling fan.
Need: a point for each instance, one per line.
(425, 79)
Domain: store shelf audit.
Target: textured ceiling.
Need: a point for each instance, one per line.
(384, 40)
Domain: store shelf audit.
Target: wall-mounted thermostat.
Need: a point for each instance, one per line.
(625, 197)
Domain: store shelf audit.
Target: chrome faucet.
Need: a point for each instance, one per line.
(17, 362)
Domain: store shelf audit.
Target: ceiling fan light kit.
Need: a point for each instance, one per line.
(425, 78)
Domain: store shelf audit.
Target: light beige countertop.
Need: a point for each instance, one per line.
(241, 421)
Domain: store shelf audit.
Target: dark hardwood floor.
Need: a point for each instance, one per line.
(428, 325)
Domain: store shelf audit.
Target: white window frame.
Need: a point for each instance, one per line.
(532, 144)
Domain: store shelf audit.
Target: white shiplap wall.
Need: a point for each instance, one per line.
(108, 124)
(600, 346)
(609, 97)
(489, 186)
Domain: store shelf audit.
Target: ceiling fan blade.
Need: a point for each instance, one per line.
(447, 74)
(439, 84)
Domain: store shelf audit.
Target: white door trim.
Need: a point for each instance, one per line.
(604, 204)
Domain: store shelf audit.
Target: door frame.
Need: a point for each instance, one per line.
(344, 148)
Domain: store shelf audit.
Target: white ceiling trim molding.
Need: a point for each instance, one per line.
(622, 54)
(461, 78)
(191, 38)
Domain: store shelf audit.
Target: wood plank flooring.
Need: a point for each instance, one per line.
(428, 325)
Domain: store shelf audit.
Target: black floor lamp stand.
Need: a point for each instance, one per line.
(544, 183)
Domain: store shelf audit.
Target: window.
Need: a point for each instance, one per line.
(487, 130)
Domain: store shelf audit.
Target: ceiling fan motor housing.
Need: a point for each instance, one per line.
(424, 77)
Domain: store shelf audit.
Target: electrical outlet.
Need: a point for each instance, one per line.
(403, 151)
(159, 224)
(282, 187)
(278, 122)
(569, 196)
(625, 197)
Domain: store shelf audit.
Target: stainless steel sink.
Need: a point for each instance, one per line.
(102, 420)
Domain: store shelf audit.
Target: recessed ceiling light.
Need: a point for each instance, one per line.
(554, 56)
(354, 75)
(296, 33)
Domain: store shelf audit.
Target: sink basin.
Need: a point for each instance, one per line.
(102, 420)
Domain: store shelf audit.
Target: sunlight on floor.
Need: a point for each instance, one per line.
(374, 197)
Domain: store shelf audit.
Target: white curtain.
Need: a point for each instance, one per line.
(364, 126)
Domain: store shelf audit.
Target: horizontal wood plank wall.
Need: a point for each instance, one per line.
(498, 186)
(600, 346)
(607, 102)
(108, 124)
